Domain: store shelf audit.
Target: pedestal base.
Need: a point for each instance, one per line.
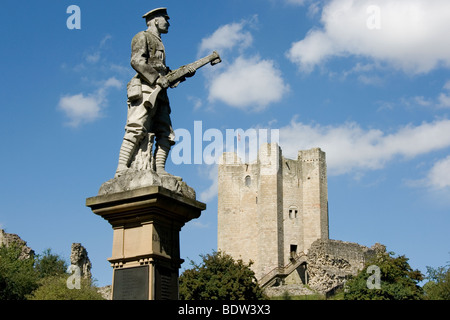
(146, 246)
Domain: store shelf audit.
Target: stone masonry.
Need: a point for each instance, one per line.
(79, 257)
(331, 262)
(8, 239)
(272, 210)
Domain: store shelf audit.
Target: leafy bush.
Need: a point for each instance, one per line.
(41, 277)
(18, 278)
(55, 288)
(398, 280)
(48, 264)
(438, 286)
(219, 277)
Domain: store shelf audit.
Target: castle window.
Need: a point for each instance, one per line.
(248, 181)
(293, 212)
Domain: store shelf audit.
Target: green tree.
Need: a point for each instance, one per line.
(398, 281)
(53, 283)
(41, 277)
(219, 277)
(438, 286)
(18, 278)
(48, 264)
(55, 288)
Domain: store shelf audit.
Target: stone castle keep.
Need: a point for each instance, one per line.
(274, 212)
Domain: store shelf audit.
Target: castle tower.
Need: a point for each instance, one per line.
(315, 195)
(271, 210)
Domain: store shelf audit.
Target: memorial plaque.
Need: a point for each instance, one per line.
(166, 284)
(131, 283)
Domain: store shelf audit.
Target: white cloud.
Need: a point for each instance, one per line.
(439, 175)
(441, 101)
(246, 82)
(196, 101)
(407, 35)
(93, 55)
(444, 97)
(80, 108)
(251, 84)
(111, 83)
(422, 101)
(444, 100)
(211, 191)
(226, 38)
(350, 147)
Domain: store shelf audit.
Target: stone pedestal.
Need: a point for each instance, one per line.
(146, 246)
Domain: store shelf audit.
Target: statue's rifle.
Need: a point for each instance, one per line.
(179, 75)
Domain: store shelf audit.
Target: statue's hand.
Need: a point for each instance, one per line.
(163, 82)
(191, 71)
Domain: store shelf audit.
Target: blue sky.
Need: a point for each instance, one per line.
(366, 81)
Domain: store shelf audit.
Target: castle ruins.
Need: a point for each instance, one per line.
(274, 212)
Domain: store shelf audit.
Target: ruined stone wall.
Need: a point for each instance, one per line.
(79, 258)
(331, 262)
(8, 239)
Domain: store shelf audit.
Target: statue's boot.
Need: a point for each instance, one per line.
(161, 154)
(125, 154)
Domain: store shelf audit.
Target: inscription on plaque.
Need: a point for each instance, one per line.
(166, 284)
(131, 283)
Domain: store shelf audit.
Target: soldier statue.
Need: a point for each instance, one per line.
(149, 110)
(148, 58)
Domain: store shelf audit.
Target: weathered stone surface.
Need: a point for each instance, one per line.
(291, 289)
(106, 292)
(8, 239)
(146, 223)
(148, 124)
(135, 179)
(272, 208)
(331, 262)
(79, 257)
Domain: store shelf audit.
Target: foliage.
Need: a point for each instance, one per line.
(18, 277)
(219, 277)
(55, 288)
(41, 277)
(398, 280)
(438, 286)
(48, 264)
(287, 296)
